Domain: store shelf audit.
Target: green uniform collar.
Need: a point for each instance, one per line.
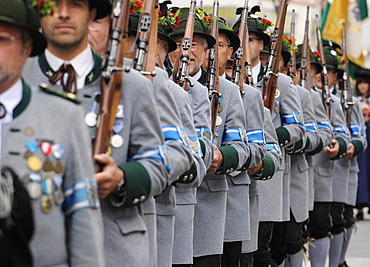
(91, 77)
(26, 97)
(203, 77)
(262, 71)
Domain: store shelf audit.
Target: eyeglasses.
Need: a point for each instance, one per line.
(194, 46)
(221, 45)
(251, 39)
(7, 39)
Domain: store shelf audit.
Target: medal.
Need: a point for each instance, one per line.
(58, 179)
(28, 131)
(120, 112)
(26, 178)
(91, 119)
(116, 141)
(47, 183)
(220, 108)
(47, 165)
(27, 154)
(277, 93)
(58, 153)
(46, 148)
(34, 190)
(58, 196)
(34, 163)
(58, 168)
(218, 121)
(47, 204)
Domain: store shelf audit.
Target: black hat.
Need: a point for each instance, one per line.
(313, 59)
(20, 13)
(103, 7)
(199, 27)
(234, 38)
(165, 27)
(363, 75)
(254, 26)
(285, 53)
(331, 58)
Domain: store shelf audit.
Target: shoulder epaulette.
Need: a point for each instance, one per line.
(50, 90)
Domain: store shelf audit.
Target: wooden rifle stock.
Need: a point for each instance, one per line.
(292, 61)
(347, 101)
(324, 73)
(305, 52)
(271, 75)
(111, 82)
(212, 79)
(181, 67)
(145, 28)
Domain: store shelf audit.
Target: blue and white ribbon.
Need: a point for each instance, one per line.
(81, 195)
(273, 147)
(235, 134)
(195, 146)
(201, 130)
(174, 133)
(324, 124)
(363, 131)
(158, 153)
(310, 127)
(355, 130)
(341, 129)
(257, 136)
(292, 118)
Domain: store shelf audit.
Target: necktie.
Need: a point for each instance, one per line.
(2, 111)
(70, 86)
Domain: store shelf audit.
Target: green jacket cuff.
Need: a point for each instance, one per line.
(358, 147)
(230, 160)
(137, 183)
(317, 149)
(268, 169)
(342, 148)
(189, 176)
(283, 136)
(202, 148)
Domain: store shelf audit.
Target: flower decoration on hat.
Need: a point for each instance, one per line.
(265, 23)
(289, 43)
(341, 62)
(136, 6)
(207, 20)
(45, 7)
(317, 54)
(173, 17)
(223, 20)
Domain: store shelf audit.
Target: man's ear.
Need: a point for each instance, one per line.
(92, 15)
(229, 52)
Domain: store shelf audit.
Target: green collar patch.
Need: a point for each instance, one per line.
(50, 90)
(26, 97)
(202, 79)
(92, 76)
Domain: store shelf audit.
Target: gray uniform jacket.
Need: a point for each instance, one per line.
(272, 160)
(342, 167)
(323, 166)
(326, 135)
(210, 210)
(142, 157)
(42, 120)
(299, 180)
(237, 227)
(288, 122)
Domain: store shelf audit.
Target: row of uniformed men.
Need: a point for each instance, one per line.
(182, 200)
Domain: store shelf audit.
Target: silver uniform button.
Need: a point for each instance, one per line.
(185, 178)
(135, 201)
(191, 176)
(286, 142)
(142, 198)
(91, 119)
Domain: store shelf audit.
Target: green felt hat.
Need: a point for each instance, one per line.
(331, 57)
(254, 26)
(199, 27)
(20, 13)
(313, 59)
(103, 7)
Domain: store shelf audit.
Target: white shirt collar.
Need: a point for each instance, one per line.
(256, 71)
(10, 99)
(83, 63)
(223, 75)
(198, 74)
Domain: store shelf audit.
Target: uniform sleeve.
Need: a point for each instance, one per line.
(292, 129)
(273, 158)
(175, 138)
(254, 114)
(357, 123)
(311, 139)
(146, 171)
(341, 132)
(236, 154)
(81, 205)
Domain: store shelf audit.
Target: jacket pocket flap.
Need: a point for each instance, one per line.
(302, 165)
(325, 171)
(132, 224)
(216, 185)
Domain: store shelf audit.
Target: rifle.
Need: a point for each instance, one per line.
(347, 101)
(324, 73)
(271, 74)
(242, 68)
(212, 80)
(111, 81)
(180, 70)
(148, 21)
(292, 61)
(305, 53)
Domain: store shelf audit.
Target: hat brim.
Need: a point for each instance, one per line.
(263, 36)
(39, 42)
(103, 8)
